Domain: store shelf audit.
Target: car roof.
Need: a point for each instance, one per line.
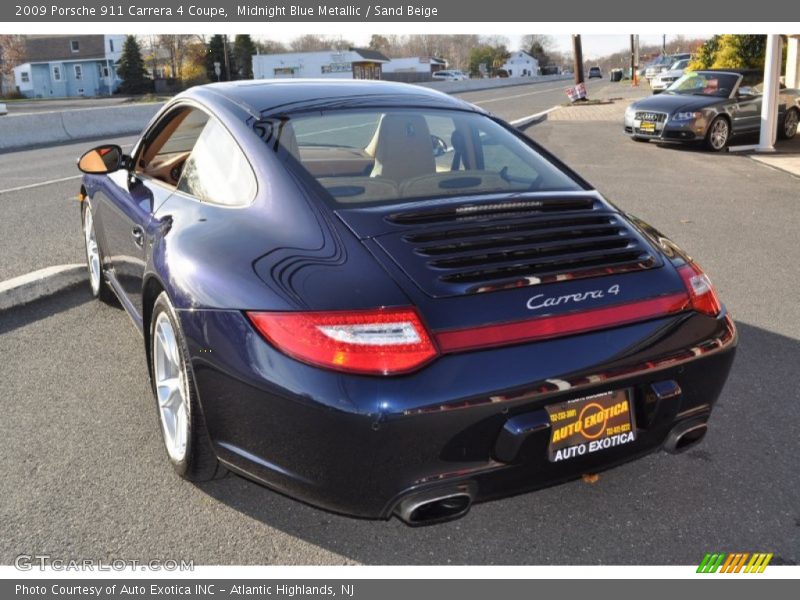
(270, 97)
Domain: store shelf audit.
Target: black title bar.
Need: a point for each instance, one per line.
(463, 11)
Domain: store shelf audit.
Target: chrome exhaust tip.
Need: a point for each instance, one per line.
(436, 506)
(685, 436)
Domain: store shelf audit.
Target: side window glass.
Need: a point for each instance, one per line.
(164, 154)
(217, 170)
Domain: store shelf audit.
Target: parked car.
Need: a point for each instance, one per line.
(661, 64)
(380, 299)
(709, 106)
(665, 79)
(449, 76)
(595, 72)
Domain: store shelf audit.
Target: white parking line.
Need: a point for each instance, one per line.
(39, 184)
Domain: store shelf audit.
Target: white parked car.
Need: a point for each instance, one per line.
(3, 109)
(663, 80)
(453, 75)
(662, 64)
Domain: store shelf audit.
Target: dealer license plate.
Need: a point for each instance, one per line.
(586, 425)
(647, 127)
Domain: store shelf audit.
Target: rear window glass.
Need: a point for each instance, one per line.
(384, 156)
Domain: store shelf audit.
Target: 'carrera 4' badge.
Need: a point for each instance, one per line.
(541, 301)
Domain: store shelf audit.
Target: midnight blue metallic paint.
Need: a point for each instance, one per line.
(354, 443)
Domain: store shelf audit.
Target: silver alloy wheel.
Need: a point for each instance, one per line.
(790, 123)
(171, 388)
(92, 252)
(719, 134)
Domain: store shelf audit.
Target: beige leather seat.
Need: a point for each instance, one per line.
(402, 148)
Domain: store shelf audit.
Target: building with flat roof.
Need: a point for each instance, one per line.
(413, 69)
(355, 63)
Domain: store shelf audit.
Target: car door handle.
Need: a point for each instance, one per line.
(138, 236)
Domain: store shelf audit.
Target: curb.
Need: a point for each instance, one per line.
(39, 284)
(526, 122)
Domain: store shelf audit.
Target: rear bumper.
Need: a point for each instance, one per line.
(359, 445)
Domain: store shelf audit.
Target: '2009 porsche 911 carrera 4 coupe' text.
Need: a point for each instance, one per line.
(381, 300)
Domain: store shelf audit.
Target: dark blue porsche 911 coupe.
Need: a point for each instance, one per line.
(382, 300)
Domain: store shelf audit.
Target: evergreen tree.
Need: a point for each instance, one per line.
(243, 50)
(130, 69)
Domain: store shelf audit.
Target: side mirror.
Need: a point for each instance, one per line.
(103, 159)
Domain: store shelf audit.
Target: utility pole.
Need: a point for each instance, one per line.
(636, 59)
(227, 58)
(633, 66)
(663, 43)
(577, 52)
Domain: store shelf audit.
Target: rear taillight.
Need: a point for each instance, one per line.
(701, 292)
(376, 342)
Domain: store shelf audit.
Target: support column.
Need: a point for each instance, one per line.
(769, 104)
(793, 62)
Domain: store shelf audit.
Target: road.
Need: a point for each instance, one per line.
(85, 471)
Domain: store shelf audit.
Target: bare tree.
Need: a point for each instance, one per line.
(176, 47)
(265, 46)
(312, 42)
(12, 54)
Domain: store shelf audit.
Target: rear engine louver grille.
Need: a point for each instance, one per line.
(515, 250)
(494, 210)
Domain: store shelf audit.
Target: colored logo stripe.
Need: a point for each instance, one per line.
(734, 562)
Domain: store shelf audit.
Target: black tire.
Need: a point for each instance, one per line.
(99, 289)
(790, 118)
(715, 140)
(200, 461)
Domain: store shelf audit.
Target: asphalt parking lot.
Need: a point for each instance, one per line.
(85, 474)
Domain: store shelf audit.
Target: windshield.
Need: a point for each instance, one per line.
(389, 155)
(679, 64)
(704, 83)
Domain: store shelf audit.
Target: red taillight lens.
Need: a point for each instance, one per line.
(376, 342)
(701, 292)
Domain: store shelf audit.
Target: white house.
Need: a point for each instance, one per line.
(521, 64)
(355, 63)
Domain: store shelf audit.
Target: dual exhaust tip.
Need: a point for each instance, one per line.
(436, 505)
(685, 435)
(446, 504)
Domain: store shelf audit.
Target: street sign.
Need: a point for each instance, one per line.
(576, 92)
